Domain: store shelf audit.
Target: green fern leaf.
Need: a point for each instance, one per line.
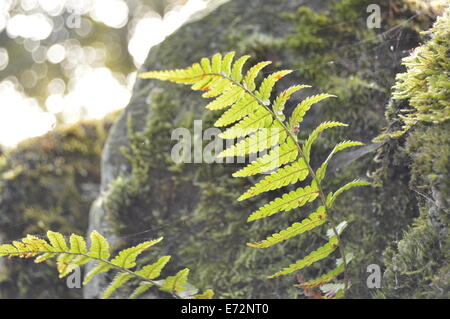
(153, 271)
(57, 241)
(99, 246)
(332, 196)
(265, 90)
(227, 63)
(314, 220)
(278, 156)
(329, 276)
(77, 244)
(316, 255)
(100, 268)
(261, 118)
(304, 106)
(127, 257)
(280, 102)
(249, 80)
(258, 142)
(313, 136)
(143, 287)
(216, 63)
(119, 280)
(287, 202)
(228, 98)
(290, 174)
(255, 118)
(320, 174)
(177, 283)
(236, 73)
(245, 106)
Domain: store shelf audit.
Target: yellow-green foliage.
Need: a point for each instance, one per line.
(251, 114)
(75, 254)
(426, 82)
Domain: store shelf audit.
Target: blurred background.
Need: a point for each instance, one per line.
(62, 61)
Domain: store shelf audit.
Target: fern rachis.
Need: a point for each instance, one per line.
(251, 110)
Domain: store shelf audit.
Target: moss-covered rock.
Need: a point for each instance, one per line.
(145, 194)
(46, 183)
(418, 265)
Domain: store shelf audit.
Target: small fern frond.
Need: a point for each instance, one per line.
(278, 156)
(258, 142)
(177, 283)
(249, 113)
(304, 106)
(332, 196)
(119, 280)
(68, 259)
(127, 257)
(280, 102)
(321, 171)
(313, 136)
(329, 276)
(316, 255)
(287, 202)
(154, 270)
(289, 174)
(314, 220)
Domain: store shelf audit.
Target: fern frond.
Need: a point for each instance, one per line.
(332, 196)
(77, 255)
(153, 271)
(329, 276)
(258, 142)
(176, 283)
(290, 174)
(265, 90)
(142, 288)
(237, 111)
(280, 102)
(261, 118)
(278, 156)
(252, 115)
(249, 80)
(316, 255)
(304, 106)
(320, 174)
(287, 202)
(314, 220)
(313, 136)
(119, 280)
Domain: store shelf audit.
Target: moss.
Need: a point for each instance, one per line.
(46, 183)
(417, 265)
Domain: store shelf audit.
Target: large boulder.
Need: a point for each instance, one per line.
(145, 194)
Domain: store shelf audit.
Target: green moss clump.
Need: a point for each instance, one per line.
(46, 183)
(425, 84)
(418, 265)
